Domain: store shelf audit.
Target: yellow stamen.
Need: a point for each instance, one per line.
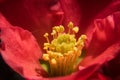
(61, 28)
(75, 29)
(54, 34)
(64, 50)
(70, 26)
(53, 61)
(46, 36)
(45, 57)
(46, 46)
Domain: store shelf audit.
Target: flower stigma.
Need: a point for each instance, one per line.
(62, 52)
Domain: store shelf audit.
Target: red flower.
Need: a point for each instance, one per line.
(22, 52)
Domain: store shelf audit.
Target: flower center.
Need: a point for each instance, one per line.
(62, 52)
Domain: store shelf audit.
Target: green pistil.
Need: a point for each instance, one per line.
(63, 51)
(63, 43)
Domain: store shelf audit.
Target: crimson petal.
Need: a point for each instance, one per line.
(37, 16)
(82, 12)
(103, 34)
(21, 51)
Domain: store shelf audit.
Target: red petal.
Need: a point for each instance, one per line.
(98, 76)
(114, 6)
(112, 68)
(37, 16)
(21, 51)
(72, 11)
(80, 75)
(82, 12)
(102, 37)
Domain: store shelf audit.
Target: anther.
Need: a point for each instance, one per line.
(53, 32)
(83, 37)
(70, 26)
(61, 28)
(53, 61)
(56, 28)
(46, 36)
(75, 29)
(45, 57)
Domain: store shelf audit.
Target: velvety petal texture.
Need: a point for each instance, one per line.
(112, 68)
(104, 34)
(21, 51)
(100, 23)
(37, 16)
(98, 20)
(82, 12)
(104, 44)
(84, 74)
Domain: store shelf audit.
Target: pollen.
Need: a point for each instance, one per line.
(46, 57)
(53, 61)
(63, 50)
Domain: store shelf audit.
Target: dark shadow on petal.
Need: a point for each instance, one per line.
(112, 68)
(6, 73)
(90, 8)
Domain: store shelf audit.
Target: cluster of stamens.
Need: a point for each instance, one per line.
(63, 51)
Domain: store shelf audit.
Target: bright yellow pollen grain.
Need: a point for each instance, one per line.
(53, 61)
(46, 46)
(70, 25)
(45, 57)
(56, 28)
(61, 28)
(75, 49)
(53, 32)
(83, 37)
(46, 35)
(75, 29)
